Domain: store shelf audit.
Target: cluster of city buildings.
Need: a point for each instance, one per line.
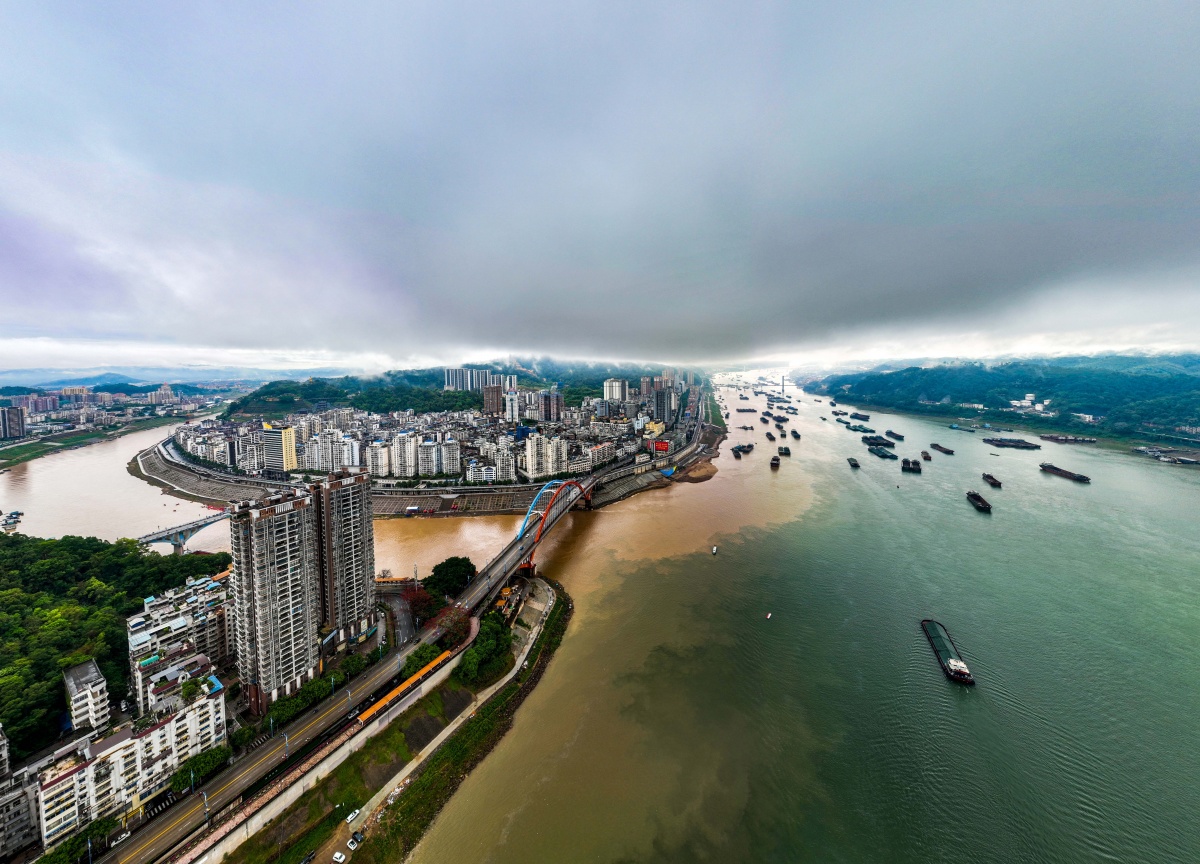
(80, 408)
(300, 590)
(520, 435)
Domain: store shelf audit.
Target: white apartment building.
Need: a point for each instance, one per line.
(506, 465)
(512, 406)
(616, 390)
(601, 453)
(379, 459)
(180, 623)
(404, 455)
(429, 458)
(451, 457)
(116, 775)
(480, 473)
(87, 696)
(545, 457)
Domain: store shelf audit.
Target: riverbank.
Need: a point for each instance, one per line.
(434, 745)
(36, 448)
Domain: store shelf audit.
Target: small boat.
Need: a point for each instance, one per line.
(911, 465)
(785, 451)
(714, 550)
(770, 437)
(991, 481)
(947, 653)
(853, 462)
(768, 616)
(774, 461)
(737, 454)
(979, 502)
(925, 455)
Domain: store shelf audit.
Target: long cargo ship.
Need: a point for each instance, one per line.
(979, 502)
(941, 449)
(1063, 472)
(991, 481)
(895, 435)
(857, 416)
(1015, 443)
(882, 452)
(947, 652)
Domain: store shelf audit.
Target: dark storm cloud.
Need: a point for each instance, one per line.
(684, 180)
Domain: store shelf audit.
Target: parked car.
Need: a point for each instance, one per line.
(358, 837)
(352, 817)
(351, 844)
(338, 858)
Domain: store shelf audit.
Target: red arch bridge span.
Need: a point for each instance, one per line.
(553, 501)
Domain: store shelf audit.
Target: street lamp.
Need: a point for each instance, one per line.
(205, 794)
(285, 745)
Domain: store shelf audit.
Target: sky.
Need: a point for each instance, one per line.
(376, 185)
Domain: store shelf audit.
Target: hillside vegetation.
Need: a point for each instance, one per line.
(421, 389)
(1131, 393)
(61, 602)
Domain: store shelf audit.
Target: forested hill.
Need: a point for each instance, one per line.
(1130, 393)
(421, 389)
(61, 602)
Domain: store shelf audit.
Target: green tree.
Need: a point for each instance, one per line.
(190, 690)
(200, 767)
(451, 576)
(421, 657)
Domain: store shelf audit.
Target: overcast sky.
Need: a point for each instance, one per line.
(374, 184)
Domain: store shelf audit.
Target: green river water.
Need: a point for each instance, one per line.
(679, 724)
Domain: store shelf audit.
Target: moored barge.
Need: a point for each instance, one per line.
(991, 481)
(941, 449)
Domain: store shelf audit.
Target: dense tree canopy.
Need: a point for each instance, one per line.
(487, 658)
(450, 577)
(61, 602)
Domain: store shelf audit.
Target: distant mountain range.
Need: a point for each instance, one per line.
(52, 378)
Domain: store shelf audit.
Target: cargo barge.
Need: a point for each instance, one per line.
(913, 466)
(979, 502)
(882, 452)
(1067, 439)
(853, 462)
(857, 416)
(991, 481)
(947, 653)
(877, 441)
(925, 455)
(1062, 472)
(1015, 443)
(941, 449)
(895, 435)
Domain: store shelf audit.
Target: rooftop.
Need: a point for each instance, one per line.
(82, 677)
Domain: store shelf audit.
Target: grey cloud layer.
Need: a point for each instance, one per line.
(688, 180)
